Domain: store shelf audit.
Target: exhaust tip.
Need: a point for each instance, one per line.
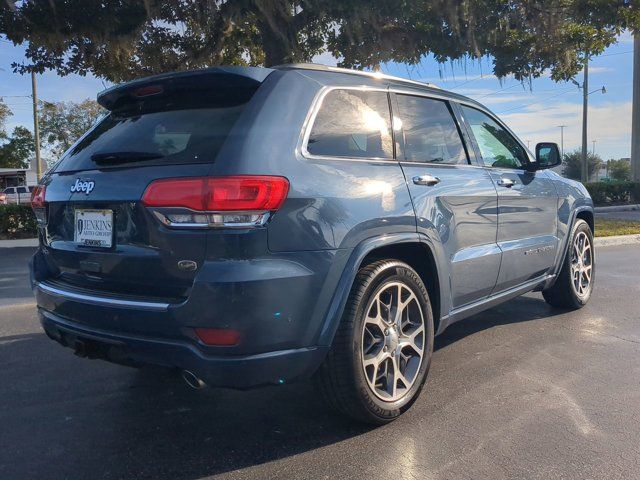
(193, 380)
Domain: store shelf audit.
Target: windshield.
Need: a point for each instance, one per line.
(191, 135)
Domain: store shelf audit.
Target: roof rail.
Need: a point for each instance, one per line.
(328, 68)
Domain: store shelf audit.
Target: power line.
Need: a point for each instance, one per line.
(537, 101)
(498, 91)
(612, 54)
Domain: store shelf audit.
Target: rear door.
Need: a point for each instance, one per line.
(98, 235)
(527, 202)
(23, 195)
(454, 200)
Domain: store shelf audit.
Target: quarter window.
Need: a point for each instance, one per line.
(352, 123)
(497, 146)
(430, 132)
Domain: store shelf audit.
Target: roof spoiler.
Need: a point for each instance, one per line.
(195, 80)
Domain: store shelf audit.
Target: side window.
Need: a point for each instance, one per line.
(430, 132)
(352, 123)
(22, 189)
(8, 190)
(497, 146)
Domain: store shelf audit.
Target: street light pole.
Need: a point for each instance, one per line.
(584, 175)
(562, 127)
(36, 129)
(635, 116)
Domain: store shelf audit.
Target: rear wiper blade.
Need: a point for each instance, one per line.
(123, 157)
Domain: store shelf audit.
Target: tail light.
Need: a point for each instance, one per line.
(38, 204)
(238, 201)
(218, 336)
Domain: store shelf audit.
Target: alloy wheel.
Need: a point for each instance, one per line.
(393, 341)
(581, 264)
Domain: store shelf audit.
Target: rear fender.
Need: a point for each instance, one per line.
(341, 295)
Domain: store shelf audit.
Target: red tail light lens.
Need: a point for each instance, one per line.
(223, 337)
(37, 196)
(219, 194)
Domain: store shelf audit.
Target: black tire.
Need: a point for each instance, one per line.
(563, 294)
(341, 378)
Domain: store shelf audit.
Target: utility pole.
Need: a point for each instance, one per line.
(635, 116)
(562, 127)
(593, 151)
(585, 105)
(36, 128)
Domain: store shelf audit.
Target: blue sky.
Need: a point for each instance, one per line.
(533, 114)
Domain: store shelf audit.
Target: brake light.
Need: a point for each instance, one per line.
(148, 90)
(210, 201)
(215, 194)
(38, 204)
(37, 196)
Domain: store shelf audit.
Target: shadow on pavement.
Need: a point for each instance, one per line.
(518, 310)
(64, 417)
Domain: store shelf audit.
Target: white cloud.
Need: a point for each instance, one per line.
(596, 70)
(609, 124)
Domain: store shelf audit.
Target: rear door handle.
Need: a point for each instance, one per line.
(428, 180)
(506, 182)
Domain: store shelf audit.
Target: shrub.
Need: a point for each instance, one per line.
(17, 221)
(614, 193)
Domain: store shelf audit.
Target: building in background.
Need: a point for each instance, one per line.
(15, 177)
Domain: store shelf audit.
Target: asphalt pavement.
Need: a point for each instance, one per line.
(520, 391)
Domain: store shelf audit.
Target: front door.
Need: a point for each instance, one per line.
(455, 201)
(527, 202)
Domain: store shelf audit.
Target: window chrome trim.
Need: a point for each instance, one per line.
(495, 118)
(102, 301)
(435, 95)
(313, 113)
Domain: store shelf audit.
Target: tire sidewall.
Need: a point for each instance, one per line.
(581, 226)
(400, 272)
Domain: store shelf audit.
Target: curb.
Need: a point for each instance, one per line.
(617, 208)
(617, 240)
(23, 242)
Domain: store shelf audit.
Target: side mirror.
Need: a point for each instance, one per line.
(547, 155)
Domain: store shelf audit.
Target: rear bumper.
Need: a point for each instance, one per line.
(243, 371)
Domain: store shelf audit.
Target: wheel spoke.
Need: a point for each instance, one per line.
(393, 341)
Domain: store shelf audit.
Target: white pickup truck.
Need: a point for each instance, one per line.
(16, 195)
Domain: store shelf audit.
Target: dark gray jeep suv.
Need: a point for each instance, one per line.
(254, 226)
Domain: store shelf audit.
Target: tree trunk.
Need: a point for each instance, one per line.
(276, 48)
(278, 40)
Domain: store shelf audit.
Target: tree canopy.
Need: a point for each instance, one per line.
(16, 148)
(619, 170)
(123, 39)
(62, 123)
(572, 165)
(5, 112)
(16, 151)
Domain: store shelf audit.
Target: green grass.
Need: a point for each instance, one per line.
(606, 227)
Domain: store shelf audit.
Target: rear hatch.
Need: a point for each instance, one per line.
(98, 235)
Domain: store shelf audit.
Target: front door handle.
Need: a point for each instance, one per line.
(428, 180)
(506, 182)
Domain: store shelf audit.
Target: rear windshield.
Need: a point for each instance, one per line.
(176, 136)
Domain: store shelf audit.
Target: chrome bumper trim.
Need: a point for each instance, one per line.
(102, 301)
